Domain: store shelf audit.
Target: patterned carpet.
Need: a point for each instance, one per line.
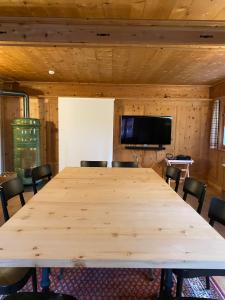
(119, 284)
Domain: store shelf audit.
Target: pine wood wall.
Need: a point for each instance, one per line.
(188, 105)
(216, 175)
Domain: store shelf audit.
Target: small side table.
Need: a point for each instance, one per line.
(185, 165)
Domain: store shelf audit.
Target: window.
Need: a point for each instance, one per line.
(214, 133)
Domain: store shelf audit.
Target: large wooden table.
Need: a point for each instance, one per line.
(109, 217)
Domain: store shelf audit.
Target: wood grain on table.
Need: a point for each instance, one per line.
(109, 217)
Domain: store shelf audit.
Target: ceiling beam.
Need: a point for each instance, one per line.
(57, 32)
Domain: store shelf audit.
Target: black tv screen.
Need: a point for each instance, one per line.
(150, 130)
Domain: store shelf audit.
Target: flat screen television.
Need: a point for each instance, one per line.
(146, 130)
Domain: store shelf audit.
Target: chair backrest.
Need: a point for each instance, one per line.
(216, 211)
(8, 190)
(196, 189)
(124, 164)
(174, 174)
(41, 172)
(93, 163)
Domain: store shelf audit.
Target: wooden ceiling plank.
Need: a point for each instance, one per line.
(141, 65)
(133, 9)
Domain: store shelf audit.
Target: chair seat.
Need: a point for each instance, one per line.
(192, 273)
(39, 296)
(9, 276)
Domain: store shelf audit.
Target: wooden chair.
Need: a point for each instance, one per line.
(196, 189)
(216, 214)
(40, 173)
(14, 279)
(39, 296)
(8, 190)
(124, 164)
(174, 174)
(93, 163)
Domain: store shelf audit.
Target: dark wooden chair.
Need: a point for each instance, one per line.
(216, 214)
(39, 296)
(93, 163)
(8, 190)
(39, 174)
(14, 279)
(124, 164)
(196, 189)
(174, 174)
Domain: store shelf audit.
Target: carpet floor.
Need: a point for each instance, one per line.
(119, 284)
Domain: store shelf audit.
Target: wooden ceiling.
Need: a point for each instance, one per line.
(119, 9)
(114, 64)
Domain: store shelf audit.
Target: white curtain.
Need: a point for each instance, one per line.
(214, 134)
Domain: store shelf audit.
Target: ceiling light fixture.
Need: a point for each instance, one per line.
(51, 72)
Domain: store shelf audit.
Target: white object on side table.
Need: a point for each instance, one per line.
(185, 163)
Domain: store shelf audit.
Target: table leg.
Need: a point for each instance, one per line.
(45, 281)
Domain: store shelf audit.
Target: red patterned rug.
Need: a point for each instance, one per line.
(118, 284)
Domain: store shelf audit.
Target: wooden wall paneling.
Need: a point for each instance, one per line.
(213, 167)
(217, 156)
(206, 112)
(8, 112)
(218, 182)
(192, 128)
(51, 113)
(217, 90)
(11, 107)
(190, 125)
(182, 109)
(119, 91)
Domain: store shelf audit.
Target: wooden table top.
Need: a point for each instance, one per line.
(109, 217)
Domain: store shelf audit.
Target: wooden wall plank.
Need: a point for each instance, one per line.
(127, 91)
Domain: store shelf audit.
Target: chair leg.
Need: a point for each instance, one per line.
(61, 273)
(162, 282)
(179, 287)
(207, 281)
(34, 280)
(185, 196)
(176, 187)
(199, 209)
